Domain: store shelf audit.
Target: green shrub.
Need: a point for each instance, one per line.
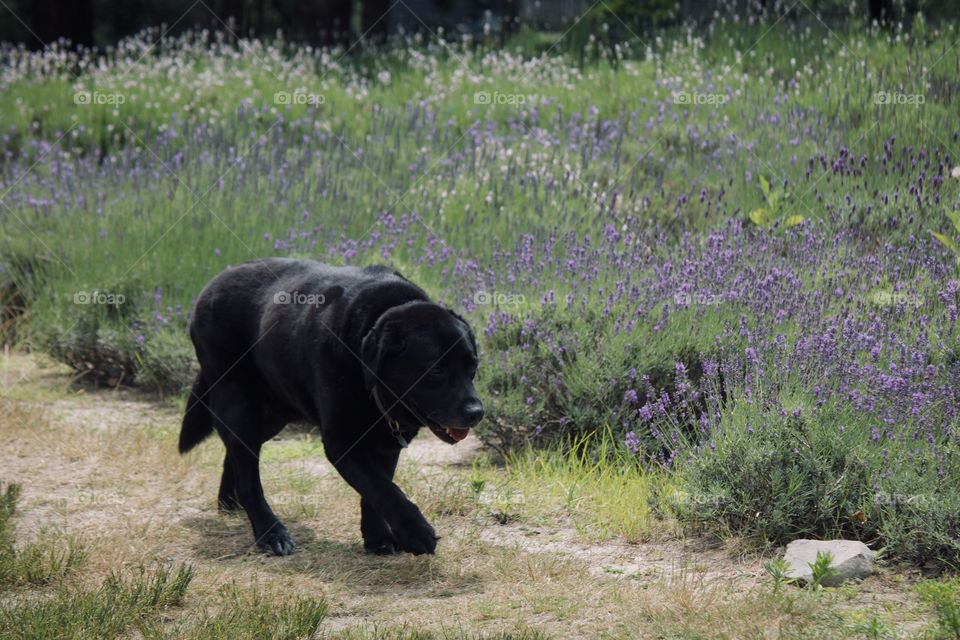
(166, 362)
(20, 277)
(944, 597)
(922, 526)
(105, 351)
(99, 353)
(778, 477)
(8, 502)
(561, 375)
(774, 474)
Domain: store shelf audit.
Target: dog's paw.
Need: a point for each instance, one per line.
(276, 541)
(416, 537)
(387, 547)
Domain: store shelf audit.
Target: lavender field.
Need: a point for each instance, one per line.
(726, 257)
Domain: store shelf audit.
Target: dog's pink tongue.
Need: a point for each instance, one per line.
(457, 434)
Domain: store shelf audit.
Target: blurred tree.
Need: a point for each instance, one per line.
(53, 19)
(629, 15)
(374, 23)
(11, 28)
(104, 22)
(880, 10)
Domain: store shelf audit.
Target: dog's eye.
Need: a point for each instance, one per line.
(436, 372)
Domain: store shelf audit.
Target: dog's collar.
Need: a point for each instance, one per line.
(393, 423)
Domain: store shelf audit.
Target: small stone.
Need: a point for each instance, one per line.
(852, 560)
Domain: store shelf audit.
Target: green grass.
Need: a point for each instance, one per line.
(402, 632)
(118, 606)
(246, 614)
(596, 483)
(47, 560)
(144, 603)
(40, 604)
(173, 229)
(944, 597)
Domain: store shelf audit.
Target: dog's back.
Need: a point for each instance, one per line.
(239, 307)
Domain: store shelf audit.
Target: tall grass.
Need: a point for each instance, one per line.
(594, 482)
(47, 560)
(39, 604)
(119, 606)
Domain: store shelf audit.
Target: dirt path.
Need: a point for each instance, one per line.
(102, 465)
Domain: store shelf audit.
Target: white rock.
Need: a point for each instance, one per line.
(852, 560)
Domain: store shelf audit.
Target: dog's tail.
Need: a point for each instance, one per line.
(197, 419)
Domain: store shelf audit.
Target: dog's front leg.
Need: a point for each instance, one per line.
(365, 472)
(377, 536)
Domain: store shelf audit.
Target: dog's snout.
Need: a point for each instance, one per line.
(473, 412)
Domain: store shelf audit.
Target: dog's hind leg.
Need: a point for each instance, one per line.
(268, 532)
(227, 498)
(243, 426)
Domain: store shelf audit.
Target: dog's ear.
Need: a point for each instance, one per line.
(381, 341)
(470, 336)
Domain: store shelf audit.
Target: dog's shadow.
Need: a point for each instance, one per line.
(227, 536)
(227, 539)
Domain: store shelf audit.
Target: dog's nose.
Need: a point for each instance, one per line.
(473, 412)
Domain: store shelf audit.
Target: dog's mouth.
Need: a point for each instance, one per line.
(450, 435)
(454, 434)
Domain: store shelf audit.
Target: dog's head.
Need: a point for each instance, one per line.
(422, 358)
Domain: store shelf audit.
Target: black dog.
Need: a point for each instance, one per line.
(362, 353)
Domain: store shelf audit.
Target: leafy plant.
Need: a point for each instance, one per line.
(946, 240)
(778, 571)
(776, 204)
(945, 598)
(476, 485)
(873, 628)
(822, 569)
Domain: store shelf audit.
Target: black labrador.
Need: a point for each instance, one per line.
(361, 352)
